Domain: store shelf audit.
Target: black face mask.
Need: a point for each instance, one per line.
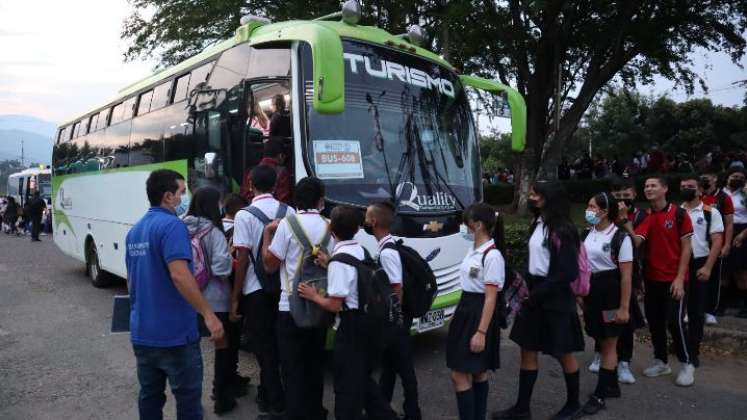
(688, 194)
(736, 184)
(629, 203)
(368, 229)
(706, 184)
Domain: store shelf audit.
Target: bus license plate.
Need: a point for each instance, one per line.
(431, 320)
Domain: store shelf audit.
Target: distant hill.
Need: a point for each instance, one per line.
(35, 133)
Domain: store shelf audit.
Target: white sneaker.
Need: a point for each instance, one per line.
(659, 368)
(686, 319)
(594, 366)
(686, 377)
(624, 375)
(710, 319)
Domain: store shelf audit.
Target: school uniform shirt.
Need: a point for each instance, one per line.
(475, 276)
(712, 200)
(285, 248)
(248, 231)
(739, 200)
(342, 279)
(390, 260)
(663, 247)
(598, 246)
(539, 252)
(699, 239)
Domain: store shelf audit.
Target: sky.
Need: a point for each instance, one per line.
(62, 58)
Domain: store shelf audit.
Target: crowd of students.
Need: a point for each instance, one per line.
(252, 267)
(34, 218)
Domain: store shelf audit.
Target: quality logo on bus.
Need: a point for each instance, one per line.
(436, 202)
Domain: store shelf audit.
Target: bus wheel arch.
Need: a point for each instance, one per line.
(99, 278)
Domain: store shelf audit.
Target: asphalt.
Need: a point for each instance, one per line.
(59, 361)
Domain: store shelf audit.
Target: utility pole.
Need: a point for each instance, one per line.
(22, 165)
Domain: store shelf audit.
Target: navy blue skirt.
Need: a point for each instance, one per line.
(463, 326)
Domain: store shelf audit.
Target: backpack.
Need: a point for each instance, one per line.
(582, 284)
(419, 285)
(514, 292)
(270, 282)
(307, 314)
(375, 299)
(615, 243)
(200, 262)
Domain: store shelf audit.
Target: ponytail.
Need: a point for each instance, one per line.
(499, 233)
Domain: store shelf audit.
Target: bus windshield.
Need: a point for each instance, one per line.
(406, 134)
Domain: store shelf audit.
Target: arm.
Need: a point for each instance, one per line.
(678, 288)
(271, 262)
(220, 258)
(328, 303)
(242, 266)
(628, 227)
(477, 343)
(187, 286)
(728, 234)
(717, 239)
(563, 270)
(626, 287)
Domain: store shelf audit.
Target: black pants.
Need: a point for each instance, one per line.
(261, 311)
(697, 297)
(397, 360)
(662, 312)
(227, 359)
(35, 227)
(355, 389)
(714, 287)
(301, 353)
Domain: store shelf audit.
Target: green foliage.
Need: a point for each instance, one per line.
(495, 152)
(8, 167)
(517, 252)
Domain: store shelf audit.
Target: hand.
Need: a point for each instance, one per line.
(622, 215)
(704, 274)
(477, 343)
(215, 327)
(272, 227)
(738, 241)
(233, 314)
(725, 250)
(622, 316)
(322, 259)
(677, 289)
(308, 292)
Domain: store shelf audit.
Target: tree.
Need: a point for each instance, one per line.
(558, 54)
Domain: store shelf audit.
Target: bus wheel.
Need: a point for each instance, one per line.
(99, 277)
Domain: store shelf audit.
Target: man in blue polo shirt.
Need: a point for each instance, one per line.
(164, 300)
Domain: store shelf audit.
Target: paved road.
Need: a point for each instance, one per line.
(58, 361)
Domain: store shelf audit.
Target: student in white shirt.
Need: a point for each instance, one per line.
(259, 306)
(737, 261)
(397, 357)
(355, 390)
(474, 333)
(607, 307)
(301, 350)
(707, 240)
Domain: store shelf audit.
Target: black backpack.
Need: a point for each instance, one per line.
(270, 282)
(419, 285)
(375, 298)
(615, 243)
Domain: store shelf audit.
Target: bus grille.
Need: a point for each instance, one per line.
(448, 279)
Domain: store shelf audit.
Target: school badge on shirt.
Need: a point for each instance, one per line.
(668, 224)
(700, 221)
(473, 272)
(606, 247)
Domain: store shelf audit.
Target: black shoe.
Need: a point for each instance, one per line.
(594, 405)
(721, 311)
(512, 414)
(569, 413)
(224, 406)
(612, 392)
(742, 313)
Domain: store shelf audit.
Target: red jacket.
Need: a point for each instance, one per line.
(282, 191)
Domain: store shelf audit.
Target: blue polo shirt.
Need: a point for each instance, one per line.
(159, 315)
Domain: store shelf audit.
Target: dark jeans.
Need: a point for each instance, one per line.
(714, 288)
(35, 227)
(301, 353)
(182, 366)
(227, 360)
(355, 389)
(664, 312)
(261, 312)
(697, 296)
(397, 360)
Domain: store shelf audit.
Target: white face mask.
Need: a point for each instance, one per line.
(466, 234)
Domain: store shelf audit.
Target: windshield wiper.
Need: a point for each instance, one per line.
(379, 139)
(442, 182)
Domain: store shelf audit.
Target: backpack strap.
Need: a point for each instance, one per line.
(707, 216)
(346, 259)
(585, 233)
(299, 232)
(487, 251)
(640, 215)
(720, 200)
(259, 214)
(616, 245)
(679, 217)
(282, 211)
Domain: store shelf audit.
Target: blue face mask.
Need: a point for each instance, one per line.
(183, 205)
(592, 218)
(466, 234)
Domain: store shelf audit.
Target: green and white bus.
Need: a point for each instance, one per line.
(372, 114)
(23, 184)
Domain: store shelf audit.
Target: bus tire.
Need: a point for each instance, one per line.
(99, 278)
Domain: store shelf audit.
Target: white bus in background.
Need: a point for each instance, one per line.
(372, 114)
(21, 185)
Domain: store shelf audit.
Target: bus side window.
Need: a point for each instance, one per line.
(182, 85)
